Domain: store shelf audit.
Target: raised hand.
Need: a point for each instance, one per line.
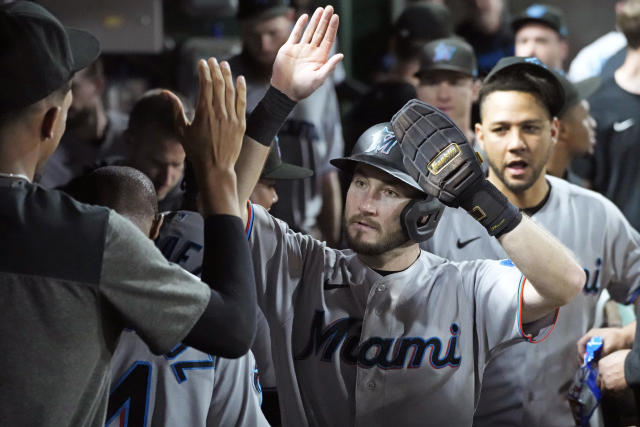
(214, 138)
(303, 62)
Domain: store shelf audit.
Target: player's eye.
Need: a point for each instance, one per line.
(390, 193)
(531, 129)
(358, 182)
(499, 129)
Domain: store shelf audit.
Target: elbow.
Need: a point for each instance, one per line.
(244, 331)
(575, 283)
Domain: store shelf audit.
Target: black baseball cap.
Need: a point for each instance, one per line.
(576, 92)
(427, 21)
(549, 16)
(38, 53)
(450, 54)
(510, 64)
(275, 168)
(262, 9)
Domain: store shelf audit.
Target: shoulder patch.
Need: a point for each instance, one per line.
(507, 263)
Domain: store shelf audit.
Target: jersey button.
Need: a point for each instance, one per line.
(371, 385)
(382, 288)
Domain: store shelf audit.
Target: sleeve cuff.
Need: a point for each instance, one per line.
(538, 330)
(249, 227)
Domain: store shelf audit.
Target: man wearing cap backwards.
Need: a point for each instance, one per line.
(312, 134)
(73, 275)
(519, 102)
(613, 168)
(540, 31)
(576, 128)
(358, 336)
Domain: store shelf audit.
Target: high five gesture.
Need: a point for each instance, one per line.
(303, 62)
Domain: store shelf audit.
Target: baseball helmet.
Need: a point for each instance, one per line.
(378, 147)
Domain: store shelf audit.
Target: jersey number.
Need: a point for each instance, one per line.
(130, 396)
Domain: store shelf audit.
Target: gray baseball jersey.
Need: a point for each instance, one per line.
(184, 387)
(353, 347)
(181, 240)
(527, 385)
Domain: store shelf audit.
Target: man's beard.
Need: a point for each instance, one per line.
(387, 241)
(519, 186)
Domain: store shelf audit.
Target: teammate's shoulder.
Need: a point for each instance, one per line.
(574, 192)
(54, 202)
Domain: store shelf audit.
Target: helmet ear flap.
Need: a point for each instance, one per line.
(420, 218)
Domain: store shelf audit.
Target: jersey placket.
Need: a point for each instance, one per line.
(371, 381)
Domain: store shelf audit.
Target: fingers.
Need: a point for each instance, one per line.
(204, 92)
(311, 28)
(241, 100)
(328, 67)
(229, 90)
(218, 101)
(330, 35)
(582, 344)
(318, 34)
(297, 29)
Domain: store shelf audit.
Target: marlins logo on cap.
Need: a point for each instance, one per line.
(450, 54)
(534, 60)
(547, 15)
(384, 143)
(443, 52)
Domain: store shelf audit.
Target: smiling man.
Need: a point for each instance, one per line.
(519, 102)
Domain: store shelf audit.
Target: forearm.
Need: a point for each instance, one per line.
(554, 275)
(218, 191)
(248, 169)
(331, 214)
(227, 326)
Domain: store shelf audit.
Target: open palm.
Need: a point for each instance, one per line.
(303, 62)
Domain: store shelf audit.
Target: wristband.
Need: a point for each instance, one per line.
(269, 115)
(492, 209)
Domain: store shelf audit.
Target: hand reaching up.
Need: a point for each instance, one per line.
(303, 62)
(212, 142)
(214, 138)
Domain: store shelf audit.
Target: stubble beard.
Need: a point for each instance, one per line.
(386, 242)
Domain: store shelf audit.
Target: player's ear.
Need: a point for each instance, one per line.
(479, 135)
(48, 123)
(155, 226)
(563, 131)
(475, 89)
(555, 130)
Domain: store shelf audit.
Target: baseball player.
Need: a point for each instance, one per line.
(384, 332)
(541, 31)
(448, 80)
(73, 275)
(183, 386)
(576, 128)
(181, 241)
(527, 385)
(312, 134)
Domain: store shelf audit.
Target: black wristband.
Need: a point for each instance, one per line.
(492, 209)
(269, 115)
